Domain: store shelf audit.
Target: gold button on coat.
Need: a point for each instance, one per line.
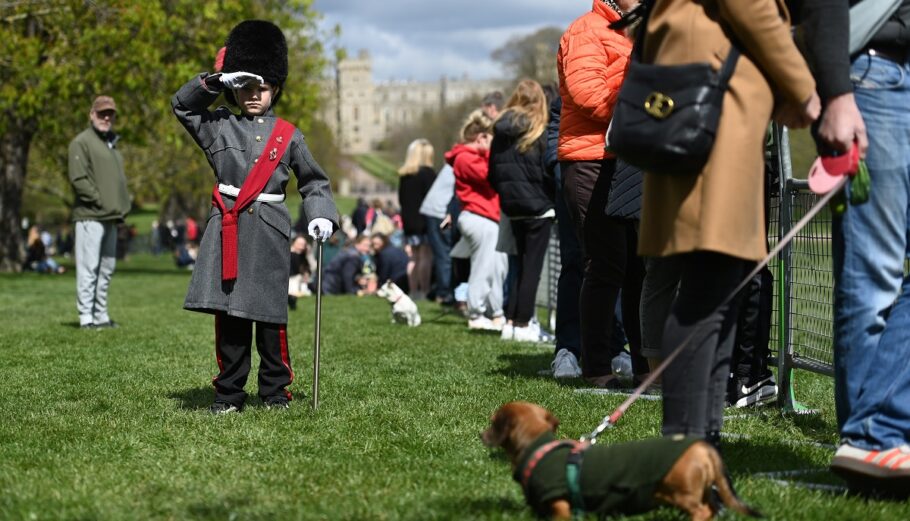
(250, 210)
(261, 120)
(258, 138)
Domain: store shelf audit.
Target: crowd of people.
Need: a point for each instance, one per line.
(665, 248)
(669, 248)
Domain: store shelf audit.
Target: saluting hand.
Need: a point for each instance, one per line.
(236, 80)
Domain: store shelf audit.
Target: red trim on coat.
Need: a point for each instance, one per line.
(285, 355)
(218, 347)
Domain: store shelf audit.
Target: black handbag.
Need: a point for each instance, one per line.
(666, 117)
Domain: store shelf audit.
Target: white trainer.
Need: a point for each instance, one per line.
(508, 331)
(483, 323)
(527, 333)
(565, 365)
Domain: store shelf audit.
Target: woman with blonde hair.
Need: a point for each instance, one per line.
(416, 176)
(479, 222)
(525, 189)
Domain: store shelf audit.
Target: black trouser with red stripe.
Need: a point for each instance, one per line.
(233, 345)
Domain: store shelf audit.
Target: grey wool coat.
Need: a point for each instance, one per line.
(231, 144)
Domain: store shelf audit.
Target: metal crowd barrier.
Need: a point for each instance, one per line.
(802, 327)
(549, 280)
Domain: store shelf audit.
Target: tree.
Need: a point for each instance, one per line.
(56, 56)
(531, 56)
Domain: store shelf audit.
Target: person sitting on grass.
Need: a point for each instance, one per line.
(344, 274)
(391, 262)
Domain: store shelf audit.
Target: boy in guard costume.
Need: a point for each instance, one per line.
(241, 272)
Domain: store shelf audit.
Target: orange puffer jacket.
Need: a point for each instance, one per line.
(592, 62)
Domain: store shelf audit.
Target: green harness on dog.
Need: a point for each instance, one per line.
(615, 479)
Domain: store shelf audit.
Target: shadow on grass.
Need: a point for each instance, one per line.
(740, 456)
(218, 509)
(193, 399)
(814, 426)
(443, 316)
(534, 365)
(525, 365)
(478, 508)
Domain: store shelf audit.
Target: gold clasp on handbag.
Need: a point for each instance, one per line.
(658, 105)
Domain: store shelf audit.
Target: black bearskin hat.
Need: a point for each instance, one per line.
(257, 47)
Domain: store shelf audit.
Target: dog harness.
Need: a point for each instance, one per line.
(252, 187)
(573, 471)
(604, 478)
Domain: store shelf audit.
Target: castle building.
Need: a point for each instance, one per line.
(362, 112)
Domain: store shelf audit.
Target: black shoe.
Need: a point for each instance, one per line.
(110, 324)
(223, 408)
(292, 303)
(277, 402)
(743, 392)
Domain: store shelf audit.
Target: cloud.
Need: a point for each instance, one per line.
(424, 40)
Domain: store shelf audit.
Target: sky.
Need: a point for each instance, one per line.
(426, 39)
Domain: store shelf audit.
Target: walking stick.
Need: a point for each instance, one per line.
(318, 324)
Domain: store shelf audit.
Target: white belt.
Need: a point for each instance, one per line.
(233, 191)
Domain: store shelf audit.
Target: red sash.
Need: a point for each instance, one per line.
(253, 185)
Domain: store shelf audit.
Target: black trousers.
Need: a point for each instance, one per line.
(611, 263)
(532, 236)
(233, 345)
(753, 333)
(695, 383)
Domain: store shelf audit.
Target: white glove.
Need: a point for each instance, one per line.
(320, 229)
(236, 80)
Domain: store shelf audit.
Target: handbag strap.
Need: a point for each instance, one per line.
(643, 12)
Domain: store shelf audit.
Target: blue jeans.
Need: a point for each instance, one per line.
(441, 244)
(872, 296)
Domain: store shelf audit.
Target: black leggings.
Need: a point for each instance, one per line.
(695, 383)
(532, 236)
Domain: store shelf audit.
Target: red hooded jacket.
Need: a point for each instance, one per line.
(471, 183)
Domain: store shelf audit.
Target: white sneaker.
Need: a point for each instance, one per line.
(528, 333)
(622, 365)
(483, 323)
(565, 365)
(508, 331)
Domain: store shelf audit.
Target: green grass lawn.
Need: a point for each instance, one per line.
(113, 424)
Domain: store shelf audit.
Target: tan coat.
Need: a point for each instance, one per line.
(721, 209)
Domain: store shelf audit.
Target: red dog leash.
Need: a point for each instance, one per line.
(610, 421)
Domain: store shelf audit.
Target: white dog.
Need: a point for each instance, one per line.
(404, 310)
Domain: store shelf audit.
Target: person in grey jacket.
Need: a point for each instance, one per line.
(102, 201)
(242, 266)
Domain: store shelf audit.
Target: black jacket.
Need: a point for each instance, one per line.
(392, 264)
(339, 276)
(411, 191)
(524, 186)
